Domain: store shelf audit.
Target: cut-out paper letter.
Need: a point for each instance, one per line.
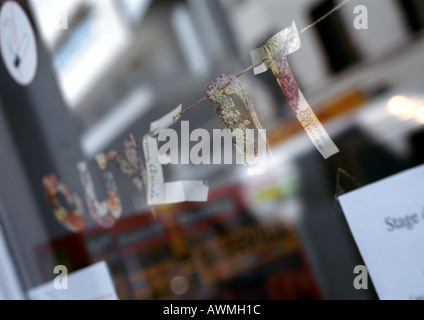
(160, 192)
(273, 56)
(238, 117)
(132, 165)
(71, 218)
(104, 213)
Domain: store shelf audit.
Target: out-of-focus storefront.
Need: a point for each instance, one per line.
(104, 70)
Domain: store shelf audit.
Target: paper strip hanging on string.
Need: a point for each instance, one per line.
(220, 94)
(136, 161)
(273, 56)
(105, 213)
(158, 191)
(166, 121)
(283, 43)
(73, 219)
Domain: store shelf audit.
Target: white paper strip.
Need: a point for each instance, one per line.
(159, 192)
(181, 191)
(155, 179)
(166, 121)
(315, 129)
(283, 43)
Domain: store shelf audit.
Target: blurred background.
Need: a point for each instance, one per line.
(108, 68)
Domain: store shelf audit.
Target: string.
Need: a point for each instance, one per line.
(245, 71)
(336, 8)
(193, 105)
(223, 87)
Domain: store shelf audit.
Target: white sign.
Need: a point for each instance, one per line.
(17, 43)
(91, 283)
(387, 222)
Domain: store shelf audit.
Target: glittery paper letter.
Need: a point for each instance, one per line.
(273, 56)
(238, 118)
(132, 165)
(72, 219)
(105, 213)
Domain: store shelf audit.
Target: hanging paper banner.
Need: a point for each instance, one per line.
(72, 219)
(273, 56)
(159, 192)
(238, 118)
(105, 213)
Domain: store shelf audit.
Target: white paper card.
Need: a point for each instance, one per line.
(91, 283)
(387, 222)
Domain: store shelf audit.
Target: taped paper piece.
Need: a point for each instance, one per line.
(159, 192)
(105, 213)
(273, 56)
(345, 183)
(281, 45)
(220, 94)
(72, 219)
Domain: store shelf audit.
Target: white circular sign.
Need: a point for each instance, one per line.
(17, 43)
